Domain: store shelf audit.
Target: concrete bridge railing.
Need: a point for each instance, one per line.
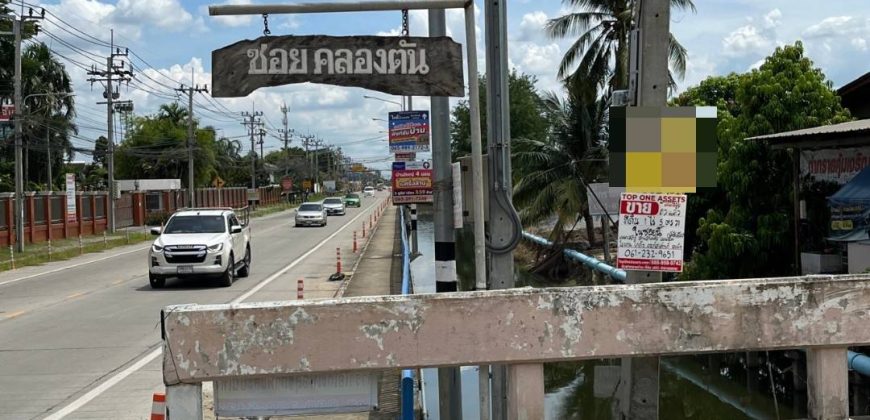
(522, 328)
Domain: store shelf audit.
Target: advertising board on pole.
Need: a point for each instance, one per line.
(71, 197)
(409, 131)
(412, 182)
(406, 156)
(651, 232)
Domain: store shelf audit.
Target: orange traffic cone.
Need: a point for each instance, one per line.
(158, 406)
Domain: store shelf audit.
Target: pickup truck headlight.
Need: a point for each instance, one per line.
(156, 248)
(216, 247)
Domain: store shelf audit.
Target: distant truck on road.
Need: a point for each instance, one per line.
(206, 242)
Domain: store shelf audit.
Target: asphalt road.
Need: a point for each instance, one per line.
(75, 334)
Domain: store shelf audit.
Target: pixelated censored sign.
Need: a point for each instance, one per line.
(662, 150)
(651, 232)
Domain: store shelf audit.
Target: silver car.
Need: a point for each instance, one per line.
(311, 214)
(334, 205)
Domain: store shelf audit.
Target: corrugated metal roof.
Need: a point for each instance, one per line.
(855, 127)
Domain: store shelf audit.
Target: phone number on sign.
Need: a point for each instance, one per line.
(649, 254)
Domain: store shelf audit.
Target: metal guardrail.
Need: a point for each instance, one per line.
(407, 384)
(586, 260)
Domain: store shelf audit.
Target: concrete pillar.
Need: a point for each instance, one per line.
(10, 219)
(93, 198)
(827, 384)
(184, 402)
(47, 216)
(30, 216)
(525, 392)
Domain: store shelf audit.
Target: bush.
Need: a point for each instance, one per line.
(156, 218)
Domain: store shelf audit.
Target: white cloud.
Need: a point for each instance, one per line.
(836, 26)
(698, 68)
(532, 26)
(746, 40)
(773, 19)
(165, 14)
(859, 43)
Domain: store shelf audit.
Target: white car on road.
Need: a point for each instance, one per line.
(200, 243)
(334, 205)
(310, 214)
(369, 191)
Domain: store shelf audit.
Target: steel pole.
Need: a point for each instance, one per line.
(639, 385)
(48, 155)
(191, 195)
(19, 156)
(449, 379)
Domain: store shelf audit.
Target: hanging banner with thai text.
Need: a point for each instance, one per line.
(651, 232)
(70, 198)
(412, 182)
(835, 165)
(409, 131)
(418, 66)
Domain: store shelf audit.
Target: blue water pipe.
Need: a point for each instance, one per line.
(591, 262)
(856, 361)
(406, 388)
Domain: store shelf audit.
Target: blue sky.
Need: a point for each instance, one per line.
(175, 37)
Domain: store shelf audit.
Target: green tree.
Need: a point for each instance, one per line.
(603, 28)
(749, 234)
(550, 174)
(156, 147)
(101, 150)
(526, 115)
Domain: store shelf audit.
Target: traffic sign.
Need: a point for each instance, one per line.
(218, 182)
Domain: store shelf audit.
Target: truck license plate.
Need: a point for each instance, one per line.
(185, 269)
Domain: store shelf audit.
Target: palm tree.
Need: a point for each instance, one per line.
(603, 27)
(554, 171)
(50, 111)
(174, 113)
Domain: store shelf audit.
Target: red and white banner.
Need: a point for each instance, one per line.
(836, 165)
(651, 232)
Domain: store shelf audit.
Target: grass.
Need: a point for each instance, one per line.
(41, 253)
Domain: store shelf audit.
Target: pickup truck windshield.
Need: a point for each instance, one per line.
(196, 224)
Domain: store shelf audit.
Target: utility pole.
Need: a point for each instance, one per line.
(193, 88)
(505, 228)
(317, 144)
(111, 95)
(262, 134)
(449, 380)
(287, 132)
(18, 118)
(252, 122)
(639, 384)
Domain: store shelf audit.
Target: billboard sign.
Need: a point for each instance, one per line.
(409, 131)
(412, 182)
(6, 111)
(651, 232)
(406, 156)
(71, 197)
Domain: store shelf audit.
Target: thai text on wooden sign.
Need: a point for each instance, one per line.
(651, 232)
(419, 66)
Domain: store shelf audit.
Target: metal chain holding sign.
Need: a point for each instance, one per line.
(266, 30)
(405, 31)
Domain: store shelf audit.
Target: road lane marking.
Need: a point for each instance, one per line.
(3, 283)
(103, 387)
(117, 282)
(114, 380)
(75, 295)
(288, 267)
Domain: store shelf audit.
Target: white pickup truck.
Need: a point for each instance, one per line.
(206, 242)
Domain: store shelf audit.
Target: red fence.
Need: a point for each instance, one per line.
(44, 212)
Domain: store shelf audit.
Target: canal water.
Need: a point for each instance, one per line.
(728, 386)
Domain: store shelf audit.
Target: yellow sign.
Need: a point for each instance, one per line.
(217, 182)
(306, 184)
(842, 225)
(358, 167)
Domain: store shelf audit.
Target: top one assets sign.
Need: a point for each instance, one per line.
(418, 66)
(651, 232)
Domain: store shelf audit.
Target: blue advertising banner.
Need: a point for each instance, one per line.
(409, 131)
